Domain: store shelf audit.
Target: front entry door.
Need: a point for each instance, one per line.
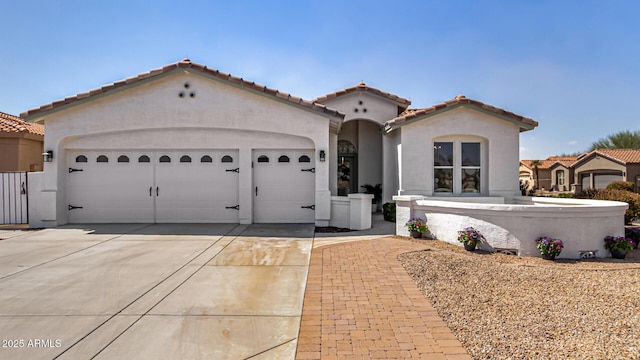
(347, 175)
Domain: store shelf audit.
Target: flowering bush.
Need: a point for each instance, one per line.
(470, 236)
(633, 233)
(417, 224)
(548, 246)
(618, 243)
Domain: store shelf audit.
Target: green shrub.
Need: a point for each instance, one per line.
(389, 211)
(631, 198)
(621, 185)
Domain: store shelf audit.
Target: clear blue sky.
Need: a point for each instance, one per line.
(574, 66)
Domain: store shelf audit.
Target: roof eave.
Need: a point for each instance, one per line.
(524, 125)
(37, 115)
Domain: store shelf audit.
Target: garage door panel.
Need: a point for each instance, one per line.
(283, 189)
(197, 191)
(104, 190)
(129, 186)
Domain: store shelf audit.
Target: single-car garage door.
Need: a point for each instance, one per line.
(284, 186)
(152, 186)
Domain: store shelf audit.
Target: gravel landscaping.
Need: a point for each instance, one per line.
(508, 307)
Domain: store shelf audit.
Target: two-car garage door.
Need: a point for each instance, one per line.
(188, 186)
(162, 186)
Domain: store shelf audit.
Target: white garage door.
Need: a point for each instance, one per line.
(170, 186)
(284, 186)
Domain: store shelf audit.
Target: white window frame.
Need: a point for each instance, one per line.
(457, 165)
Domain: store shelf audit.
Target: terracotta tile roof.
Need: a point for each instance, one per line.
(13, 124)
(187, 65)
(625, 156)
(402, 102)
(549, 162)
(460, 100)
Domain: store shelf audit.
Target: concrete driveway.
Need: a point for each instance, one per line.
(179, 291)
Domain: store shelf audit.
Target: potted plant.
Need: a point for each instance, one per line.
(618, 246)
(417, 227)
(376, 191)
(549, 247)
(470, 237)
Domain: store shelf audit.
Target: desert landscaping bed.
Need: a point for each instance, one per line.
(508, 307)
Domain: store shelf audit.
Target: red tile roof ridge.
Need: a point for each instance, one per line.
(410, 114)
(622, 155)
(14, 124)
(363, 87)
(185, 64)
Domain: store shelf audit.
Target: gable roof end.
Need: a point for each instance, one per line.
(400, 101)
(623, 156)
(185, 64)
(411, 115)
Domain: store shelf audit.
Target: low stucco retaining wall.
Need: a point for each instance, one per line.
(580, 224)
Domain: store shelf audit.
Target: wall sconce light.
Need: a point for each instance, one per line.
(47, 156)
(322, 156)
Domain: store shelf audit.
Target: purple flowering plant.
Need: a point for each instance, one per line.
(417, 224)
(549, 246)
(470, 236)
(618, 243)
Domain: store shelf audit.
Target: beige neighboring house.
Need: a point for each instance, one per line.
(554, 173)
(21, 144)
(598, 168)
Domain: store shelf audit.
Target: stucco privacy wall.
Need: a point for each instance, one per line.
(580, 224)
(152, 115)
(499, 140)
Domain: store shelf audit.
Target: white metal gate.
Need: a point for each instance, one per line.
(14, 202)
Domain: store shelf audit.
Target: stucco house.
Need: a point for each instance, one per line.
(21, 144)
(187, 143)
(598, 168)
(555, 173)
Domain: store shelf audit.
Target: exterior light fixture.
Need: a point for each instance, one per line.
(47, 156)
(322, 156)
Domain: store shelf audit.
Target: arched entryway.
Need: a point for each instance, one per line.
(359, 156)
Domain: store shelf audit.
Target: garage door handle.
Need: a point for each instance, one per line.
(256, 191)
(157, 190)
(150, 190)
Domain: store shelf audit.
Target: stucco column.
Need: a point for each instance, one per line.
(245, 186)
(332, 156)
(389, 167)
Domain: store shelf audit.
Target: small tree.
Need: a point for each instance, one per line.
(534, 165)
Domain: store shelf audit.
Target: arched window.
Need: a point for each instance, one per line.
(283, 159)
(164, 159)
(206, 159)
(81, 159)
(123, 159)
(102, 159)
(263, 159)
(144, 159)
(227, 159)
(304, 159)
(185, 159)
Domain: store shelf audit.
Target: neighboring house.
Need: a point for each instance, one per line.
(553, 174)
(598, 168)
(186, 143)
(20, 144)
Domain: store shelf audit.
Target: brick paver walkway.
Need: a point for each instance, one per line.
(361, 304)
